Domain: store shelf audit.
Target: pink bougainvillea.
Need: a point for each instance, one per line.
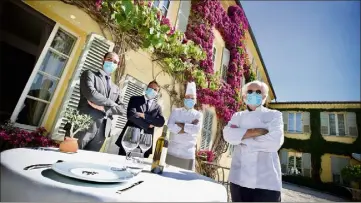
(206, 15)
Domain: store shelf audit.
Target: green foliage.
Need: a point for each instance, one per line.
(352, 173)
(78, 121)
(317, 145)
(252, 76)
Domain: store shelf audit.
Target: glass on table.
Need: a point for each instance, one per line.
(135, 164)
(130, 140)
(145, 142)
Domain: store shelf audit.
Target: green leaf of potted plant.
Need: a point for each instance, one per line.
(78, 122)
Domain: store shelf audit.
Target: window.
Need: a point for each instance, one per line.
(295, 163)
(46, 79)
(338, 123)
(230, 149)
(214, 54)
(337, 164)
(225, 63)
(296, 122)
(207, 130)
(183, 15)
(162, 5)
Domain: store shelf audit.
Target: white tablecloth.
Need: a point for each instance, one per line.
(42, 185)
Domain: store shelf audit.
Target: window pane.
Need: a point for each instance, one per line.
(32, 112)
(165, 7)
(156, 3)
(332, 125)
(53, 64)
(214, 54)
(299, 122)
(341, 124)
(291, 122)
(63, 42)
(43, 87)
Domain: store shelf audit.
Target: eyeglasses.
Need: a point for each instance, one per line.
(251, 91)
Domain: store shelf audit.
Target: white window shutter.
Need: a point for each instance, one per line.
(351, 124)
(306, 164)
(285, 120)
(90, 59)
(183, 15)
(207, 130)
(284, 160)
(225, 62)
(324, 123)
(306, 122)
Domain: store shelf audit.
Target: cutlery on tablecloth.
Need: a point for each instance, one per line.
(129, 187)
(39, 166)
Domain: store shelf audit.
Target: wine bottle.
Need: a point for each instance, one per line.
(160, 152)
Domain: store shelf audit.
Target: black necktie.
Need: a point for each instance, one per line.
(108, 83)
(147, 105)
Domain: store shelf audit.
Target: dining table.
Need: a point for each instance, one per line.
(45, 184)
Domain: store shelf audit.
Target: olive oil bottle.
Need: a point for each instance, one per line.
(160, 152)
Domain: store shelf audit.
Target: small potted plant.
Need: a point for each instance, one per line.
(78, 122)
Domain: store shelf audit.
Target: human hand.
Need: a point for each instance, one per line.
(195, 121)
(259, 131)
(233, 126)
(151, 126)
(141, 115)
(180, 125)
(100, 108)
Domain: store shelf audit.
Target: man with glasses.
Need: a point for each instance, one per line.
(101, 99)
(184, 125)
(144, 113)
(257, 134)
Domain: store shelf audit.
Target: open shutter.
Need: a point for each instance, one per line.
(351, 124)
(225, 62)
(131, 87)
(207, 130)
(284, 160)
(306, 122)
(90, 59)
(183, 15)
(285, 120)
(324, 123)
(306, 164)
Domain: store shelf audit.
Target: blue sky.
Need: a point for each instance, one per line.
(311, 48)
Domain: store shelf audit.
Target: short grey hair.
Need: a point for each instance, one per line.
(264, 87)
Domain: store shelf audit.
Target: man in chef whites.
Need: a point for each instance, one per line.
(184, 124)
(257, 134)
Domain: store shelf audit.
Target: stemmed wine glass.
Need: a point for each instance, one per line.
(130, 140)
(145, 142)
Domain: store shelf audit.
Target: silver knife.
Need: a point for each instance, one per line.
(127, 188)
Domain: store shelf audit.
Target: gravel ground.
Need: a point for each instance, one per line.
(295, 193)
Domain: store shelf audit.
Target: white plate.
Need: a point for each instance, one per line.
(92, 172)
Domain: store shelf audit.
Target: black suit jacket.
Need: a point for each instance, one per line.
(153, 116)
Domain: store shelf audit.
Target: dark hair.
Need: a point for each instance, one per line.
(109, 53)
(154, 82)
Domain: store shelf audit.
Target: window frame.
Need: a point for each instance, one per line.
(295, 122)
(24, 95)
(336, 123)
(161, 5)
(181, 15)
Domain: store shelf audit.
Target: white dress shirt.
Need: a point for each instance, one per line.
(149, 102)
(255, 161)
(183, 145)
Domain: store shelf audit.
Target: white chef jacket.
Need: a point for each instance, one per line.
(183, 145)
(255, 161)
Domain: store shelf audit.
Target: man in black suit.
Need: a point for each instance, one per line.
(144, 113)
(101, 99)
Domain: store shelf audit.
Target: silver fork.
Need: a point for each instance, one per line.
(129, 187)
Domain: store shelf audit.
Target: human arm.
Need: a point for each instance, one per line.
(90, 93)
(157, 120)
(132, 114)
(231, 132)
(172, 126)
(194, 127)
(119, 107)
(273, 140)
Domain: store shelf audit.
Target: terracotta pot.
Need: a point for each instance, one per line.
(69, 145)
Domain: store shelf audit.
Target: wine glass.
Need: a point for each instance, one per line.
(130, 140)
(145, 142)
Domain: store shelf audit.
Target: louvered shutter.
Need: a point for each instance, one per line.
(90, 59)
(351, 124)
(131, 87)
(207, 130)
(306, 164)
(285, 121)
(324, 123)
(225, 62)
(284, 160)
(183, 15)
(306, 122)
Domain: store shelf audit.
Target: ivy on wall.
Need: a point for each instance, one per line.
(317, 145)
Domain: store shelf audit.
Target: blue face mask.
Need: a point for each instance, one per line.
(254, 99)
(189, 103)
(150, 93)
(109, 67)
